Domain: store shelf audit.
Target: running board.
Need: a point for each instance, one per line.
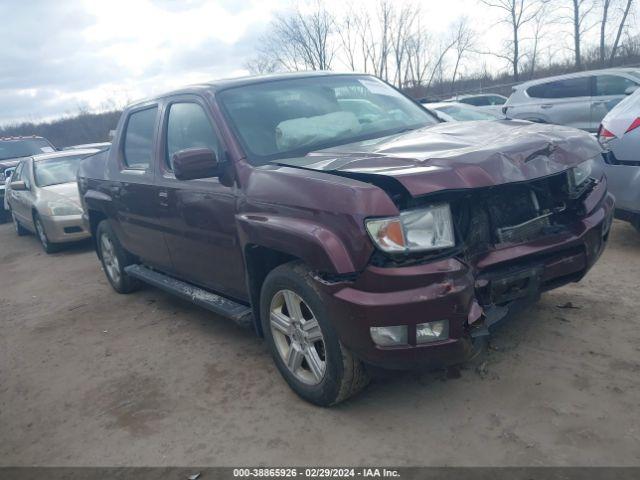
(217, 304)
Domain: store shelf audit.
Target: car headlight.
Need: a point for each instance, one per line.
(429, 228)
(580, 174)
(60, 208)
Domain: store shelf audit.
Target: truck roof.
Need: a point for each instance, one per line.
(222, 84)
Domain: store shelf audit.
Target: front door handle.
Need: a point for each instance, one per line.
(163, 197)
(546, 106)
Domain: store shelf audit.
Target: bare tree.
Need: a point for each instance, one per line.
(606, 5)
(348, 35)
(463, 41)
(402, 30)
(621, 27)
(580, 12)
(540, 23)
(299, 41)
(516, 14)
(260, 63)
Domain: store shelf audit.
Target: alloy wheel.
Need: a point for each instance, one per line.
(110, 259)
(298, 337)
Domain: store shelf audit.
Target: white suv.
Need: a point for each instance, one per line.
(579, 100)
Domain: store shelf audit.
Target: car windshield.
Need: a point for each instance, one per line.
(23, 147)
(463, 114)
(55, 171)
(290, 118)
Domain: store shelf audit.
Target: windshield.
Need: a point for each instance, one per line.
(290, 118)
(23, 147)
(56, 170)
(463, 114)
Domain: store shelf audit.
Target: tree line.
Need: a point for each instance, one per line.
(389, 39)
(85, 127)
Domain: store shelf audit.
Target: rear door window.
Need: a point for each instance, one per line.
(138, 138)
(188, 127)
(612, 85)
(568, 88)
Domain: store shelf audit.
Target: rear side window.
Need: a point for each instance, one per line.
(571, 87)
(138, 138)
(188, 127)
(612, 85)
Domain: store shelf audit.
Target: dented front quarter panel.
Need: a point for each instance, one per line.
(314, 216)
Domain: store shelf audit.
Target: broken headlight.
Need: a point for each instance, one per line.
(429, 228)
(580, 174)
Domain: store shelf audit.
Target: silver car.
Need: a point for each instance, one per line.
(619, 135)
(458, 112)
(489, 102)
(579, 100)
(43, 198)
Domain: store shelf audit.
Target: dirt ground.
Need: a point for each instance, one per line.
(90, 377)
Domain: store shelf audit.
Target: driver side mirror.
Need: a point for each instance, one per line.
(631, 89)
(194, 163)
(18, 186)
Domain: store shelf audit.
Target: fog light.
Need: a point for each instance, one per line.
(389, 336)
(432, 331)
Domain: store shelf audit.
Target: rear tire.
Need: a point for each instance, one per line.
(303, 343)
(114, 259)
(41, 234)
(20, 230)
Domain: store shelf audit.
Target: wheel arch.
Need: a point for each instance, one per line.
(259, 261)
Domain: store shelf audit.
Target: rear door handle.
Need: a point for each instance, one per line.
(545, 106)
(163, 196)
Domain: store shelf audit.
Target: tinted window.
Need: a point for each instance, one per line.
(138, 139)
(571, 87)
(23, 147)
(290, 118)
(188, 127)
(612, 85)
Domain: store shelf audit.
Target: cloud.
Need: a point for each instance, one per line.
(59, 55)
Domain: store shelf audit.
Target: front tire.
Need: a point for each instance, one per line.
(41, 233)
(114, 259)
(302, 341)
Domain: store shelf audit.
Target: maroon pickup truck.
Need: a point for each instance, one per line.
(342, 220)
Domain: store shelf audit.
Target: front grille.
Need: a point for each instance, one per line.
(514, 213)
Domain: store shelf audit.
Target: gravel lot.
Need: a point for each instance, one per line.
(90, 377)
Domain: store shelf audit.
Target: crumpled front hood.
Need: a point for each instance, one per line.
(459, 155)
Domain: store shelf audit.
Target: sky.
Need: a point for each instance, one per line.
(57, 57)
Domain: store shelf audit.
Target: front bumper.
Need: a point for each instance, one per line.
(464, 294)
(66, 228)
